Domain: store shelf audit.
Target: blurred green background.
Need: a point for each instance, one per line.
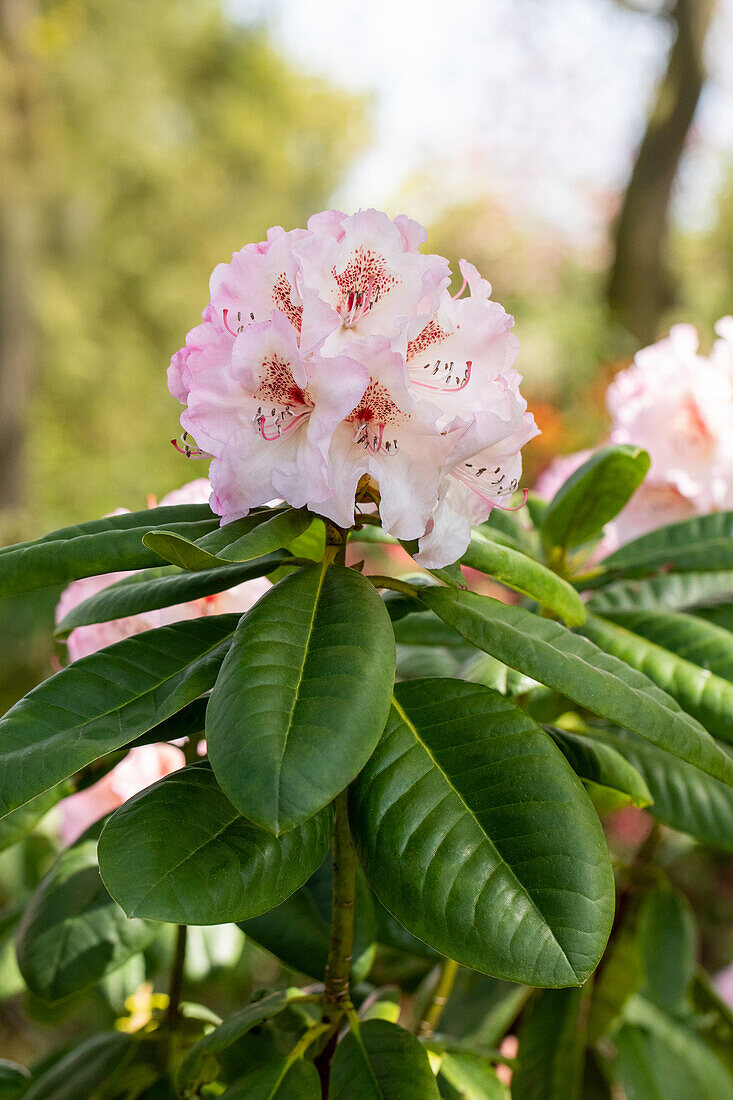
(142, 141)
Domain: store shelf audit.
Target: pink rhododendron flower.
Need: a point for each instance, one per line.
(147, 763)
(678, 405)
(334, 357)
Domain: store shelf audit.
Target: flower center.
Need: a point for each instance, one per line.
(443, 375)
(371, 416)
(362, 282)
(284, 404)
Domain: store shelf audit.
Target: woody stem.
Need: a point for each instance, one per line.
(338, 967)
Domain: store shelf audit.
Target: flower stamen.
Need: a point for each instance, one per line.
(185, 448)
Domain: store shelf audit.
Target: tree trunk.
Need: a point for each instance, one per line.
(639, 288)
(18, 243)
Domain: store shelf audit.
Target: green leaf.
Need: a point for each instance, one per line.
(684, 797)
(620, 977)
(179, 550)
(667, 592)
(72, 933)
(16, 825)
(257, 535)
(705, 696)
(194, 1065)
(425, 629)
(703, 643)
(81, 1072)
(701, 543)
(668, 942)
(666, 1058)
(243, 540)
(298, 931)
(476, 835)
(513, 529)
(282, 1080)
(601, 764)
(180, 852)
(104, 701)
(100, 546)
(469, 1077)
(578, 669)
(14, 1080)
(302, 696)
(551, 1047)
(592, 496)
(720, 615)
(137, 594)
(377, 1060)
(527, 576)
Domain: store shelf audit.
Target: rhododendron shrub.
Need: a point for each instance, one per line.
(392, 783)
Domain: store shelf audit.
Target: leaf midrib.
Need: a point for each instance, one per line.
(676, 713)
(296, 692)
(523, 889)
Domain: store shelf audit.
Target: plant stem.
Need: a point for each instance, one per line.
(441, 993)
(176, 979)
(393, 584)
(338, 967)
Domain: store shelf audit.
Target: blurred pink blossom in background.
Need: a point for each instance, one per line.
(678, 406)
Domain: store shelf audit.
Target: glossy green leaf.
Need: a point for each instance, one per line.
(72, 933)
(668, 943)
(179, 550)
(137, 594)
(17, 824)
(195, 1065)
(666, 1058)
(705, 696)
(703, 643)
(701, 543)
(282, 1080)
(243, 541)
(513, 529)
(465, 1076)
(379, 1061)
(14, 1080)
(720, 615)
(180, 852)
(527, 576)
(100, 546)
(601, 764)
(666, 592)
(81, 1072)
(551, 1047)
(302, 696)
(392, 934)
(578, 669)
(476, 835)
(425, 629)
(298, 931)
(485, 669)
(593, 495)
(104, 701)
(684, 797)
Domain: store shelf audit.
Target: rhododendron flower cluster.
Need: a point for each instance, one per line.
(333, 362)
(678, 405)
(146, 764)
